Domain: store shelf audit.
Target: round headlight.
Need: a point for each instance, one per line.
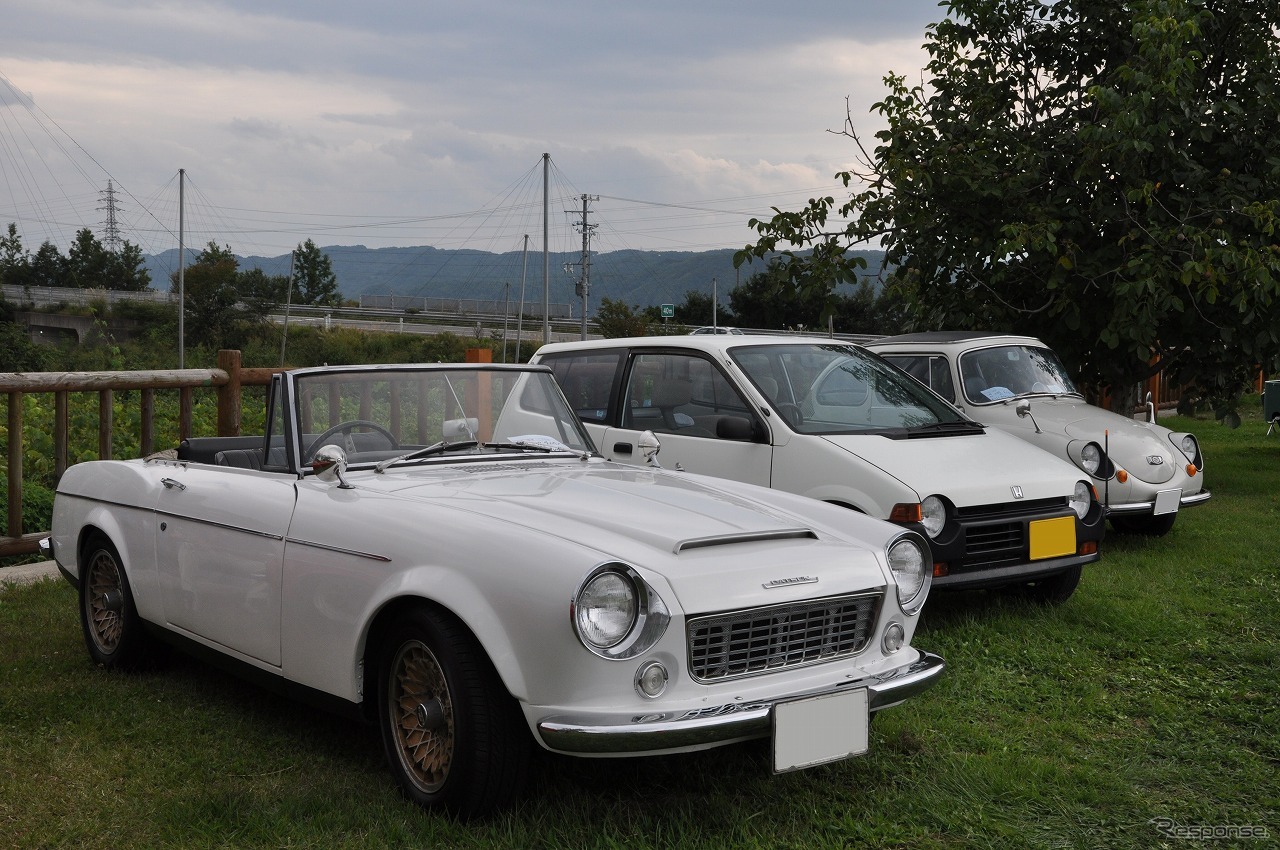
(934, 512)
(1091, 458)
(912, 572)
(1081, 499)
(605, 609)
(1189, 445)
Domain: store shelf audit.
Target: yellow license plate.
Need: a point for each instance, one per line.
(1051, 538)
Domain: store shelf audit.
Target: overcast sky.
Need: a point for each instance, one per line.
(424, 123)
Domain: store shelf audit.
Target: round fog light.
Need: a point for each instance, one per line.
(893, 638)
(651, 679)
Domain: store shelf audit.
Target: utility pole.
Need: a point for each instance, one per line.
(584, 280)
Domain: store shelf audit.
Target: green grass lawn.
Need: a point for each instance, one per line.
(1140, 714)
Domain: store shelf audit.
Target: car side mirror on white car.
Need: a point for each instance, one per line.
(649, 447)
(1023, 408)
(330, 462)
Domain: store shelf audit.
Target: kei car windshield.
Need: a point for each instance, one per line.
(841, 389)
(378, 413)
(1009, 371)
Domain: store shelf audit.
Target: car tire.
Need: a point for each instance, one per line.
(1151, 526)
(1055, 589)
(114, 634)
(453, 736)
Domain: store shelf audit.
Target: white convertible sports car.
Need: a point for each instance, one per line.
(1144, 472)
(441, 550)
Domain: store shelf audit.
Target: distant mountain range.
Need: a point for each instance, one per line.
(641, 278)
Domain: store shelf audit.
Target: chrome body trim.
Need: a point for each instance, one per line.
(667, 732)
(726, 539)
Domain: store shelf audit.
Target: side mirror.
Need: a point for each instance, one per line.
(1151, 409)
(1023, 408)
(735, 428)
(649, 447)
(330, 462)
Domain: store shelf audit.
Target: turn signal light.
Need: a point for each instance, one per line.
(906, 512)
(940, 569)
(1191, 470)
(1088, 547)
(1122, 476)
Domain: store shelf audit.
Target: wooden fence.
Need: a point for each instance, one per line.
(226, 380)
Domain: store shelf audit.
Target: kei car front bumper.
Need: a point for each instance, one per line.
(601, 734)
(1149, 507)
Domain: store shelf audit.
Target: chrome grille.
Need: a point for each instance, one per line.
(764, 640)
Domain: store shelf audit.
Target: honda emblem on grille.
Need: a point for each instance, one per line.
(1017, 491)
(787, 582)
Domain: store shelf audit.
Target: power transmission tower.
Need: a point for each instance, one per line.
(583, 288)
(111, 231)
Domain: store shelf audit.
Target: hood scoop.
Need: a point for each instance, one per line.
(745, 537)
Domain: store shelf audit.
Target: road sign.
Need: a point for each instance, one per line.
(668, 311)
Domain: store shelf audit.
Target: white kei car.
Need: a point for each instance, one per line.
(440, 550)
(829, 420)
(1144, 472)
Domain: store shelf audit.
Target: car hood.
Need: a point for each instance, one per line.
(663, 519)
(1129, 442)
(970, 469)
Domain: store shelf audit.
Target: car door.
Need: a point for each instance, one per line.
(219, 554)
(702, 419)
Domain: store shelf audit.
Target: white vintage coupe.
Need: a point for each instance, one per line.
(441, 550)
(1144, 472)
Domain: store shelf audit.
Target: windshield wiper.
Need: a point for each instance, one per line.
(433, 449)
(960, 426)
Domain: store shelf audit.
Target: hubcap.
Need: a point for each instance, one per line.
(421, 716)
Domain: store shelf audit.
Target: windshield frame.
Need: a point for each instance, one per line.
(431, 406)
(799, 395)
(975, 384)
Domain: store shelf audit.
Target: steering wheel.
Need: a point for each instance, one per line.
(346, 428)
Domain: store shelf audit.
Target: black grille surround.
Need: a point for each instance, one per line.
(996, 535)
(755, 641)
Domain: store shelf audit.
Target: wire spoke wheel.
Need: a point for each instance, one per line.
(104, 597)
(422, 715)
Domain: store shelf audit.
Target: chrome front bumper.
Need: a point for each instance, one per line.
(672, 731)
(1148, 507)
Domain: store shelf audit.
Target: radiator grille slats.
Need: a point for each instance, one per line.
(762, 640)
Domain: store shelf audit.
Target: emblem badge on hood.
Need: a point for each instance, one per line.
(1017, 491)
(1155, 460)
(787, 582)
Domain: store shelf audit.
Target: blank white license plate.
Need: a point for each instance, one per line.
(1167, 501)
(817, 730)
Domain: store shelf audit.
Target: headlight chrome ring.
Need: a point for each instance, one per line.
(912, 568)
(616, 614)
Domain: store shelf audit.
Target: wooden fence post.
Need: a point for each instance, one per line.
(229, 394)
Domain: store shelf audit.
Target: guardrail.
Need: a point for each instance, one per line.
(226, 380)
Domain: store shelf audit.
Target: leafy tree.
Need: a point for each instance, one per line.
(1100, 174)
(615, 319)
(210, 295)
(695, 310)
(15, 265)
(130, 271)
(89, 264)
(314, 278)
(48, 267)
(261, 293)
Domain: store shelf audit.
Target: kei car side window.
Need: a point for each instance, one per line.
(682, 394)
(931, 370)
(587, 381)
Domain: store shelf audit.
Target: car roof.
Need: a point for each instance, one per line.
(952, 337)
(699, 342)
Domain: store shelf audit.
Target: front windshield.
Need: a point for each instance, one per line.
(839, 389)
(1009, 371)
(378, 413)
